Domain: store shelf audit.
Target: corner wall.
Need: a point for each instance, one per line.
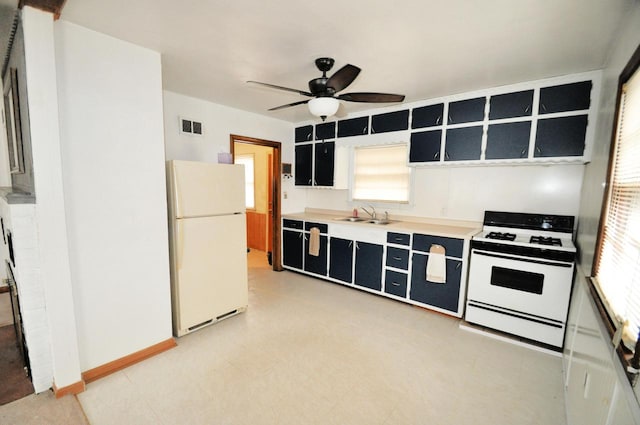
(111, 131)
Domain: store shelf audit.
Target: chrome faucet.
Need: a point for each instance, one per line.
(372, 213)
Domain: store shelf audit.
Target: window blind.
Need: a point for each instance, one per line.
(617, 272)
(381, 173)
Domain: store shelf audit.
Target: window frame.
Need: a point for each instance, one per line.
(611, 322)
(381, 202)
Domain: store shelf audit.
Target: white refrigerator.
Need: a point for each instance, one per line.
(208, 243)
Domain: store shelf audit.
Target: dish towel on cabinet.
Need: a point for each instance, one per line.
(437, 264)
(314, 242)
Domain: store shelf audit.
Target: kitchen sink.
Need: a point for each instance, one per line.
(353, 219)
(379, 221)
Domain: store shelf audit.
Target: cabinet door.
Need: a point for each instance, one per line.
(442, 295)
(316, 263)
(368, 265)
(341, 259)
(565, 97)
(395, 283)
(427, 116)
(353, 127)
(324, 163)
(303, 164)
(469, 110)
(511, 105)
(304, 134)
(326, 130)
(508, 140)
(563, 136)
(292, 244)
(463, 143)
(425, 146)
(392, 121)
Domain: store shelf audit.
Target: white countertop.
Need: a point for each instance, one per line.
(435, 227)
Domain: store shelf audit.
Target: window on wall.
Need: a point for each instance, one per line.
(381, 174)
(617, 265)
(249, 178)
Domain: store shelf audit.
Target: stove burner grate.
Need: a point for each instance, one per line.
(501, 236)
(545, 241)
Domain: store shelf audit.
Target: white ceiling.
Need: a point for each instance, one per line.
(420, 48)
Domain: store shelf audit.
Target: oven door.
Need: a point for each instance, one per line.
(523, 284)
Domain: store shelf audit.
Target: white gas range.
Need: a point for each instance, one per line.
(520, 275)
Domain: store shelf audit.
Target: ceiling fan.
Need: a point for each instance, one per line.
(322, 90)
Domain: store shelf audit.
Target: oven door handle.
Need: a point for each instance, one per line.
(526, 260)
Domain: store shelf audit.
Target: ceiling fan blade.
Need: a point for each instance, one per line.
(371, 97)
(273, 86)
(289, 105)
(343, 77)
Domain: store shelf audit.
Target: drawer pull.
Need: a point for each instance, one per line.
(458, 266)
(395, 284)
(397, 258)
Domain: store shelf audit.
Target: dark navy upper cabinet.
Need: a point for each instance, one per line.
(463, 143)
(507, 141)
(427, 116)
(304, 134)
(326, 130)
(564, 136)
(353, 127)
(392, 121)
(469, 110)
(425, 146)
(324, 163)
(565, 97)
(511, 105)
(303, 164)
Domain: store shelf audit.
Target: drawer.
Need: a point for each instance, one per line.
(292, 224)
(398, 238)
(398, 258)
(395, 283)
(310, 224)
(452, 246)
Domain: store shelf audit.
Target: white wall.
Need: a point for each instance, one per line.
(110, 102)
(53, 272)
(219, 122)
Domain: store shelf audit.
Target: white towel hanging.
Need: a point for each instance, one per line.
(314, 242)
(437, 264)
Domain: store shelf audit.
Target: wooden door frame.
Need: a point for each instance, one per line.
(276, 258)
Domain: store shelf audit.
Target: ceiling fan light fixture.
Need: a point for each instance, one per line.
(323, 107)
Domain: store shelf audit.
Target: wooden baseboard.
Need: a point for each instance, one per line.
(126, 361)
(75, 388)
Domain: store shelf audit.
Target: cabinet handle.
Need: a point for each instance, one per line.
(450, 120)
(523, 152)
(538, 149)
(309, 181)
(458, 265)
(364, 130)
(446, 155)
(439, 120)
(398, 239)
(544, 108)
(395, 284)
(357, 247)
(300, 235)
(527, 109)
(436, 155)
(350, 244)
(309, 136)
(397, 258)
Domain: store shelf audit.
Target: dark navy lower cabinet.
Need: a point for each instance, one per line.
(341, 259)
(292, 245)
(316, 264)
(442, 295)
(368, 265)
(395, 283)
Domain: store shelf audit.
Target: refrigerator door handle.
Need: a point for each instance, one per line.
(179, 243)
